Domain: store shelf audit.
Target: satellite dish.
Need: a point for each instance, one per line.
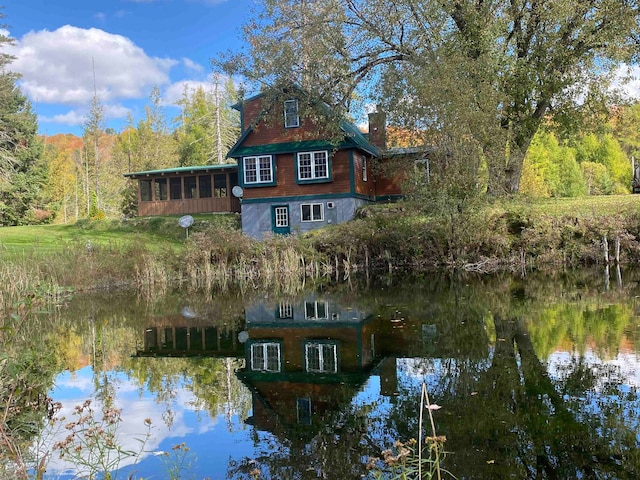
(243, 336)
(185, 222)
(237, 191)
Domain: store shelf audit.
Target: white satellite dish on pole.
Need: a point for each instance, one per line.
(237, 191)
(185, 222)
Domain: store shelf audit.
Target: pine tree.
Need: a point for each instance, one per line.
(22, 171)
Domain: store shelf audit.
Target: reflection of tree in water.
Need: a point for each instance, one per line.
(335, 452)
(511, 418)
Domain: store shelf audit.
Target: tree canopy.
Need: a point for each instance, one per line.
(477, 76)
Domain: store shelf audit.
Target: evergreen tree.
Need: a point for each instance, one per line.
(22, 171)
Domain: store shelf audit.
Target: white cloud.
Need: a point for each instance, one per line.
(191, 65)
(57, 66)
(174, 92)
(72, 117)
(627, 79)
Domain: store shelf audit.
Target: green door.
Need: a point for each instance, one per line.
(280, 220)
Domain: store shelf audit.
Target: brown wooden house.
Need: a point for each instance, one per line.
(187, 190)
(294, 178)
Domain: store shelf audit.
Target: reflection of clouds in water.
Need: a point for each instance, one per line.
(74, 389)
(625, 366)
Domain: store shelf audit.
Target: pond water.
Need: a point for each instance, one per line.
(535, 377)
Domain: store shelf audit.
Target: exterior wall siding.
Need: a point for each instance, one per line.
(194, 205)
(257, 221)
(286, 185)
(272, 129)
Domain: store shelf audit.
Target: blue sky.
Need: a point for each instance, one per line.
(133, 44)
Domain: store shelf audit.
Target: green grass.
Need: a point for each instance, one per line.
(154, 232)
(580, 206)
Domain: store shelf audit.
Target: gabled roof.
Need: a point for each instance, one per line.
(353, 138)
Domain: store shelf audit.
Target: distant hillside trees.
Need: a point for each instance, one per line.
(583, 164)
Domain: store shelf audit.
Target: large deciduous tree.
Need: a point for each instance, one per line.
(477, 76)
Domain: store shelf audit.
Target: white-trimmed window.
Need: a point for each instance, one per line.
(291, 117)
(316, 310)
(258, 169)
(321, 357)
(265, 357)
(285, 310)
(313, 165)
(364, 168)
(312, 212)
(282, 217)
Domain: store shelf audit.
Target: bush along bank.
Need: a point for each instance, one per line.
(398, 238)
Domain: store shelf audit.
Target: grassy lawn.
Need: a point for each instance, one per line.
(155, 232)
(582, 206)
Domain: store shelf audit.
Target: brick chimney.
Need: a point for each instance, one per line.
(377, 129)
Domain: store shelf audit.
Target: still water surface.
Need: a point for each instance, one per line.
(536, 377)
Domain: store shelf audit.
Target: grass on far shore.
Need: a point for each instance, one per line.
(154, 232)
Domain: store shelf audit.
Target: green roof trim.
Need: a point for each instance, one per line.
(287, 147)
(354, 135)
(191, 169)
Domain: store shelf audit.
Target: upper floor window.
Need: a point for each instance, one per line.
(265, 357)
(291, 118)
(258, 169)
(313, 165)
(321, 357)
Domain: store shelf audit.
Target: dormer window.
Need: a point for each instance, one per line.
(291, 118)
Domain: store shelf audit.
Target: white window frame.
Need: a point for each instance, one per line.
(285, 310)
(281, 217)
(326, 352)
(261, 363)
(315, 159)
(314, 310)
(312, 217)
(257, 164)
(291, 117)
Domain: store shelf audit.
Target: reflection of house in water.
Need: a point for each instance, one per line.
(182, 336)
(306, 359)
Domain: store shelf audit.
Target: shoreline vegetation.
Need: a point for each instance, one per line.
(153, 254)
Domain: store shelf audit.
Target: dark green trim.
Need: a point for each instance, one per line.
(314, 323)
(280, 230)
(252, 342)
(309, 341)
(245, 134)
(242, 183)
(324, 196)
(350, 378)
(300, 181)
(192, 169)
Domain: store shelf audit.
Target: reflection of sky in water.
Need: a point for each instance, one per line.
(208, 439)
